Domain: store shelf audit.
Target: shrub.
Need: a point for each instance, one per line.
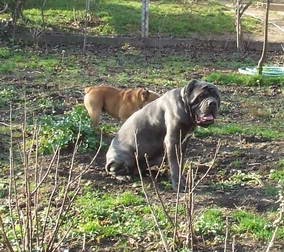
(58, 131)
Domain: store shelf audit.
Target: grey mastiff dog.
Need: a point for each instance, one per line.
(160, 127)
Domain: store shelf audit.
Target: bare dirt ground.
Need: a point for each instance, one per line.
(276, 21)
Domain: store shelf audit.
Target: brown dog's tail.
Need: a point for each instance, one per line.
(87, 89)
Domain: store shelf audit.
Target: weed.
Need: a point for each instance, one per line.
(278, 173)
(58, 131)
(270, 190)
(107, 215)
(109, 129)
(251, 225)
(240, 179)
(210, 223)
(6, 96)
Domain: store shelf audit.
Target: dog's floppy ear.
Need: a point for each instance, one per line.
(191, 85)
(189, 95)
(145, 94)
(87, 89)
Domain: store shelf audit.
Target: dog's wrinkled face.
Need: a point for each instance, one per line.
(203, 100)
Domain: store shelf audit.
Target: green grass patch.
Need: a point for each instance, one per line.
(237, 129)
(121, 17)
(39, 66)
(246, 80)
(105, 215)
(210, 223)
(277, 174)
(252, 225)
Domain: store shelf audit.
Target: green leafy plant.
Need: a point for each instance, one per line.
(62, 131)
(210, 223)
(6, 95)
(278, 173)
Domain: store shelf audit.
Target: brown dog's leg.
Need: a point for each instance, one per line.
(94, 109)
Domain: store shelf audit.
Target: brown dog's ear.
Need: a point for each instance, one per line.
(87, 89)
(145, 94)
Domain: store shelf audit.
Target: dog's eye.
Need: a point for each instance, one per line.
(200, 98)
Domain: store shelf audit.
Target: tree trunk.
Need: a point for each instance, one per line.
(238, 24)
(264, 47)
(240, 8)
(145, 19)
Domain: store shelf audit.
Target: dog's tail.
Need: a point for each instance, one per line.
(87, 89)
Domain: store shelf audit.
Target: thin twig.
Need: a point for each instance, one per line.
(66, 190)
(5, 238)
(11, 185)
(179, 156)
(55, 187)
(147, 198)
(211, 165)
(29, 226)
(226, 234)
(92, 161)
(278, 221)
(36, 196)
(189, 206)
(157, 192)
(47, 172)
(161, 165)
(233, 243)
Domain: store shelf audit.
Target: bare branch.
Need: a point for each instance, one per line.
(157, 192)
(6, 240)
(211, 165)
(4, 9)
(147, 198)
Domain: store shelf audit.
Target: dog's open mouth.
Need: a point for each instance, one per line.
(205, 120)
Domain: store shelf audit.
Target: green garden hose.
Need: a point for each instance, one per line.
(271, 71)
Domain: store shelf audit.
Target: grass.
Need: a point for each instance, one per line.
(242, 223)
(239, 129)
(252, 225)
(246, 80)
(53, 87)
(211, 223)
(106, 215)
(277, 174)
(122, 17)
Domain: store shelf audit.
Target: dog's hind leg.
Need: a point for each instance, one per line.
(94, 109)
(95, 116)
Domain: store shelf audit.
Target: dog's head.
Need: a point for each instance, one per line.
(202, 100)
(146, 96)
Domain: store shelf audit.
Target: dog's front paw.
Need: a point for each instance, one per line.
(179, 185)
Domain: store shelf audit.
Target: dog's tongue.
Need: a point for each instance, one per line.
(205, 119)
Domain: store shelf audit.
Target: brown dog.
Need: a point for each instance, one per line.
(119, 103)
